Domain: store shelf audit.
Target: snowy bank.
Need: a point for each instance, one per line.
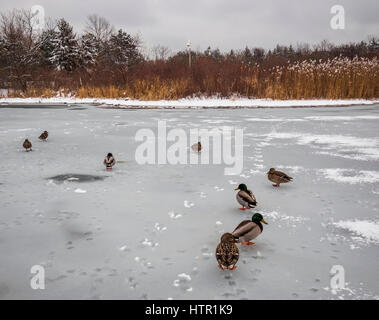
(190, 102)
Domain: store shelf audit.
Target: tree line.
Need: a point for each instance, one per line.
(105, 62)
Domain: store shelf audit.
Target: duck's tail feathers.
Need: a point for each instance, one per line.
(252, 204)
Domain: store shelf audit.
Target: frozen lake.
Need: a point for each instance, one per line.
(150, 231)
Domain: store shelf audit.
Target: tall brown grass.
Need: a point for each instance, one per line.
(338, 78)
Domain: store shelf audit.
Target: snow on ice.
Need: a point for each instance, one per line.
(150, 231)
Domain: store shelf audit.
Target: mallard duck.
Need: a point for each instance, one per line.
(43, 135)
(27, 145)
(278, 177)
(249, 229)
(227, 252)
(109, 161)
(196, 147)
(245, 197)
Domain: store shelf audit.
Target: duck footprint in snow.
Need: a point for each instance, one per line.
(143, 262)
(205, 253)
(233, 285)
(159, 228)
(183, 282)
(188, 204)
(148, 243)
(174, 215)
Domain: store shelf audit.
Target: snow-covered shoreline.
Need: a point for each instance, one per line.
(191, 102)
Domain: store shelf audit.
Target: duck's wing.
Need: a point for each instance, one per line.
(242, 224)
(233, 255)
(228, 254)
(244, 227)
(220, 254)
(246, 196)
(283, 176)
(252, 195)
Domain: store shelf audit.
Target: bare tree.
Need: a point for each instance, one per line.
(19, 42)
(99, 27)
(161, 52)
(324, 45)
(303, 48)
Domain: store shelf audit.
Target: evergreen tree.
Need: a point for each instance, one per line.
(247, 57)
(373, 44)
(258, 54)
(89, 50)
(208, 51)
(122, 50)
(216, 55)
(65, 55)
(47, 45)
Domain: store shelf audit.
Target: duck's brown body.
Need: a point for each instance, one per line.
(27, 145)
(227, 253)
(278, 177)
(43, 136)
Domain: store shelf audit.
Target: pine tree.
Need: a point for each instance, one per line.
(47, 42)
(258, 54)
(122, 50)
(247, 56)
(65, 55)
(216, 55)
(373, 44)
(89, 50)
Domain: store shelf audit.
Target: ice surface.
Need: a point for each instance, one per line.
(351, 176)
(150, 231)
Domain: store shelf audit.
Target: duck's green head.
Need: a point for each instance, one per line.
(257, 217)
(242, 187)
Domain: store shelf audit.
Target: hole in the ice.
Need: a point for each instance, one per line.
(72, 177)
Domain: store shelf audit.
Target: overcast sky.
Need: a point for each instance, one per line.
(225, 24)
